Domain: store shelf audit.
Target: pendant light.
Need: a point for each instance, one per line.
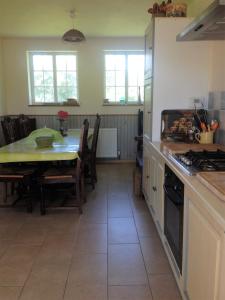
(73, 35)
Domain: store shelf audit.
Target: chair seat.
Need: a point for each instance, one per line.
(59, 174)
(17, 172)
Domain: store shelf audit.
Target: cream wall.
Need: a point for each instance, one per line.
(2, 102)
(90, 70)
(217, 80)
(195, 7)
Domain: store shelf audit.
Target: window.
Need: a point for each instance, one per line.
(124, 78)
(52, 77)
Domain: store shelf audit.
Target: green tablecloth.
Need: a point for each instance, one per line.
(26, 150)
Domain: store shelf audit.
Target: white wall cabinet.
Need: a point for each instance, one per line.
(205, 255)
(175, 72)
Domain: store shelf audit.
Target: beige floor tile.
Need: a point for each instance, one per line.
(44, 291)
(122, 230)
(86, 292)
(55, 251)
(129, 292)
(95, 214)
(88, 269)
(125, 265)
(4, 245)
(118, 195)
(164, 287)
(53, 273)
(10, 293)
(30, 235)
(145, 225)
(139, 205)
(15, 265)
(46, 281)
(92, 238)
(10, 232)
(119, 209)
(155, 258)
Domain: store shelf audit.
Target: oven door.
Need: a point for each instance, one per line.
(173, 223)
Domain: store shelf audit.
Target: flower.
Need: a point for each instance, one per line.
(62, 115)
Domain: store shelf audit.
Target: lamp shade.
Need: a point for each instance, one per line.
(73, 36)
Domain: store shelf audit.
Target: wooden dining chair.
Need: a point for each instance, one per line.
(25, 125)
(10, 130)
(11, 134)
(67, 175)
(23, 177)
(90, 158)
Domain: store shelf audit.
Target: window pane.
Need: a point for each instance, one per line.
(142, 93)
(115, 62)
(66, 92)
(61, 78)
(120, 78)
(38, 78)
(39, 94)
(42, 62)
(49, 94)
(136, 70)
(66, 62)
(133, 94)
(110, 94)
(110, 78)
(120, 94)
(71, 78)
(48, 78)
(132, 79)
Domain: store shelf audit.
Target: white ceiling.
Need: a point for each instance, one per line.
(50, 18)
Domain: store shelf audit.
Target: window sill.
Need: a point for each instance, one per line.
(123, 104)
(54, 104)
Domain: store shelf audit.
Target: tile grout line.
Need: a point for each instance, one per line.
(129, 194)
(71, 261)
(31, 269)
(107, 228)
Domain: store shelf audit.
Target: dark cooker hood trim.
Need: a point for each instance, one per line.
(210, 25)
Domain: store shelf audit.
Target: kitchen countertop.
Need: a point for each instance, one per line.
(210, 187)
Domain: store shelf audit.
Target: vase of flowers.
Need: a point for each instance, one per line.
(62, 117)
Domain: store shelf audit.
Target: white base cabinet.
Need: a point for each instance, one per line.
(205, 254)
(153, 180)
(203, 234)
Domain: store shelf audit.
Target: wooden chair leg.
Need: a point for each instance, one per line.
(82, 189)
(79, 197)
(42, 202)
(5, 192)
(29, 202)
(12, 188)
(94, 170)
(92, 176)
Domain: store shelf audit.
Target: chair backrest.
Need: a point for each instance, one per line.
(83, 139)
(25, 126)
(95, 134)
(10, 130)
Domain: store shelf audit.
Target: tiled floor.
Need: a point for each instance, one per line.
(111, 252)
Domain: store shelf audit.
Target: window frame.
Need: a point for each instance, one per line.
(126, 53)
(30, 71)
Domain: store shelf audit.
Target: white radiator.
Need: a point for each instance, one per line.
(107, 143)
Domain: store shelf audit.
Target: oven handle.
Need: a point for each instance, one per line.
(177, 201)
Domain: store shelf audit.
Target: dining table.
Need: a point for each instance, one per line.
(26, 149)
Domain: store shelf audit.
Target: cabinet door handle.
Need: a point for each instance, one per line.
(147, 176)
(149, 112)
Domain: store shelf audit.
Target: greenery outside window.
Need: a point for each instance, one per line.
(52, 77)
(124, 77)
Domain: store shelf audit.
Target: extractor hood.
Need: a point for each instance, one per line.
(210, 25)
